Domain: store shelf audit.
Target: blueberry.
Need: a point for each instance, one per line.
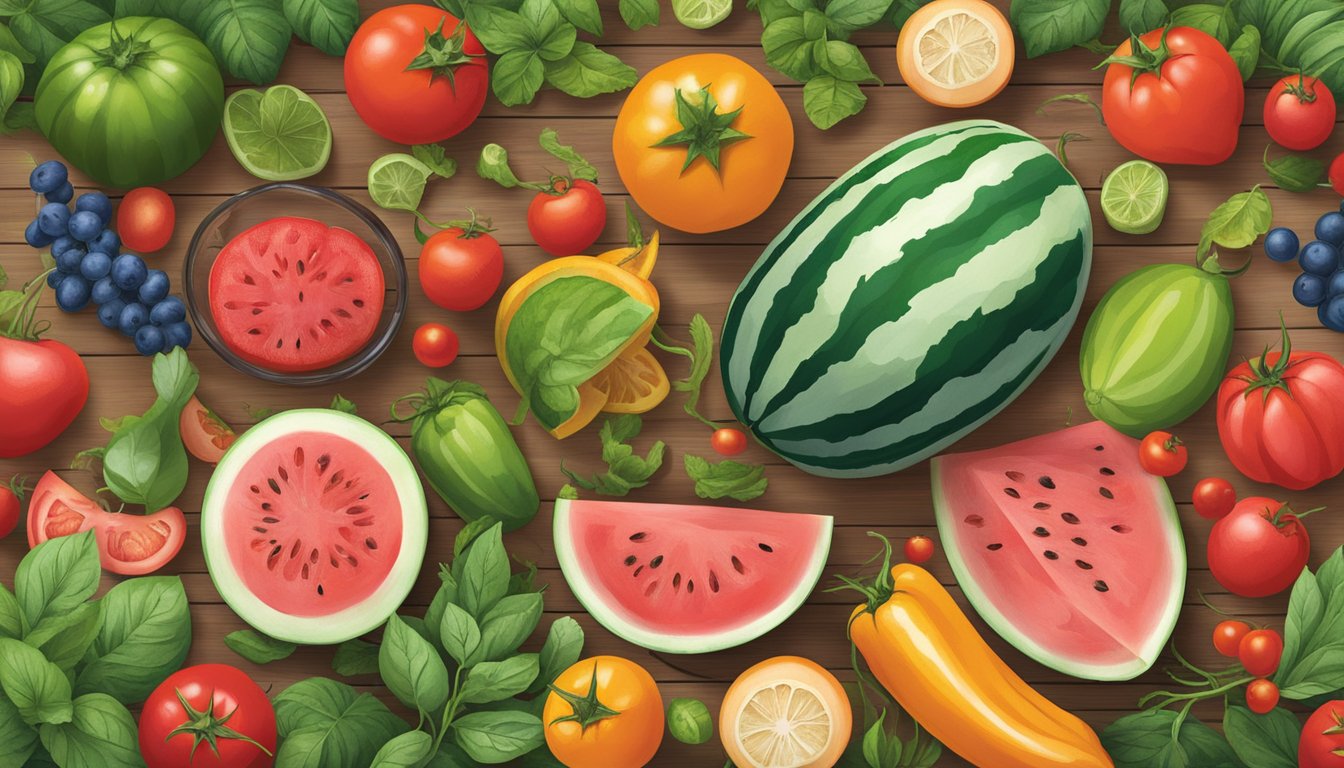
(129, 271)
(95, 202)
(1330, 228)
(1335, 286)
(106, 292)
(1309, 290)
(85, 226)
(54, 278)
(72, 294)
(48, 176)
(109, 314)
(35, 237)
(177, 335)
(1281, 244)
(107, 242)
(70, 260)
(54, 219)
(62, 194)
(95, 266)
(155, 288)
(62, 244)
(133, 317)
(1319, 258)
(149, 340)
(1331, 314)
(170, 310)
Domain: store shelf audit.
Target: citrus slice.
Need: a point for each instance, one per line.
(786, 712)
(956, 53)
(637, 261)
(280, 134)
(635, 382)
(1134, 197)
(701, 14)
(397, 181)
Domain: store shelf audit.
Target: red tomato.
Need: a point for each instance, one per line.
(10, 497)
(1260, 652)
(460, 269)
(1214, 497)
(1280, 417)
(145, 219)
(415, 75)
(1162, 453)
(1337, 174)
(435, 345)
(128, 544)
(1227, 637)
(208, 716)
(728, 441)
(1322, 741)
(1259, 549)
(43, 387)
(1262, 696)
(569, 220)
(918, 549)
(1299, 112)
(204, 434)
(1185, 103)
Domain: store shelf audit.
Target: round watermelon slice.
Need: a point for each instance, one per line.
(314, 526)
(688, 579)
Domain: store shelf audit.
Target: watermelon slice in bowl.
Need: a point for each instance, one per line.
(1066, 547)
(688, 579)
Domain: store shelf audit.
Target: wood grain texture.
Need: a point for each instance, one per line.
(698, 273)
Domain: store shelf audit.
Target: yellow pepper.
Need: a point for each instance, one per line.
(925, 652)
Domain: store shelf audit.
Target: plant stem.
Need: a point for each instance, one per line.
(449, 710)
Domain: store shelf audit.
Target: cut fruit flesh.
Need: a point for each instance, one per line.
(280, 134)
(635, 382)
(785, 725)
(957, 49)
(1134, 197)
(956, 53)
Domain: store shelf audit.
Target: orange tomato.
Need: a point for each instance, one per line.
(725, 167)
(607, 713)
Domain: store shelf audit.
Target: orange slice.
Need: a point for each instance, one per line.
(635, 382)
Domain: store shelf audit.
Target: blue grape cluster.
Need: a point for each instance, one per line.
(91, 267)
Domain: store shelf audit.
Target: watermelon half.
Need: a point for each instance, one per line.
(688, 579)
(314, 526)
(1066, 547)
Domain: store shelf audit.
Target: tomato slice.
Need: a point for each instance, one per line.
(129, 545)
(57, 509)
(204, 434)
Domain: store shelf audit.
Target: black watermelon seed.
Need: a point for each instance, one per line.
(1121, 528)
(638, 570)
(737, 565)
(638, 536)
(676, 581)
(1012, 492)
(995, 547)
(1047, 482)
(630, 560)
(320, 591)
(1040, 505)
(1099, 448)
(1051, 555)
(766, 547)
(1015, 476)
(1041, 532)
(1080, 541)
(655, 562)
(1086, 566)
(713, 582)
(1105, 492)
(1107, 471)
(1100, 586)
(975, 520)
(1069, 518)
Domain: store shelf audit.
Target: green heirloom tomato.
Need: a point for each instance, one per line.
(689, 721)
(132, 102)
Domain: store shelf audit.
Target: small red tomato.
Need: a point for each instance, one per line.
(460, 269)
(918, 549)
(10, 497)
(1227, 637)
(1163, 454)
(1337, 174)
(1299, 113)
(568, 220)
(1262, 696)
(1259, 549)
(728, 441)
(1214, 497)
(1322, 742)
(145, 219)
(435, 345)
(1260, 652)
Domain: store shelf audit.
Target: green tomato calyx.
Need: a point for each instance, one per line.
(442, 55)
(587, 709)
(704, 130)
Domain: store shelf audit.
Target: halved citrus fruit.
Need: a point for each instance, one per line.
(637, 261)
(635, 382)
(956, 53)
(786, 712)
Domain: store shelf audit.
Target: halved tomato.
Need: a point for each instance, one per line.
(129, 545)
(205, 435)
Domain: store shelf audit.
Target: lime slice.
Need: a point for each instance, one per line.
(397, 181)
(1134, 197)
(278, 135)
(701, 14)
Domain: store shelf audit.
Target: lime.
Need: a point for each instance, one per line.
(701, 14)
(1134, 197)
(397, 181)
(278, 135)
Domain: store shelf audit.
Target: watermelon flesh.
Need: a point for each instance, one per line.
(1066, 547)
(689, 579)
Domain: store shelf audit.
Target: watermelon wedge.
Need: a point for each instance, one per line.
(688, 579)
(1066, 547)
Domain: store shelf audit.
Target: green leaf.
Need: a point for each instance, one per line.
(789, 50)
(409, 750)
(36, 687)
(1246, 51)
(1215, 20)
(563, 646)
(846, 16)
(485, 573)
(1264, 741)
(548, 33)
(827, 100)
(18, 740)
(727, 478)
(583, 14)
(625, 469)
(355, 657)
(843, 60)
(1145, 740)
(327, 25)
(11, 44)
(11, 81)
(579, 168)
(459, 634)
(500, 30)
(689, 721)
(145, 636)
(516, 77)
(1140, 16)
(102, 733)
(507, 625)
(638, 14)
(57, 576)
(248, 37)
(146, 462)
(588, 71)
(341, 404)
(498, 737)
(436, 158)
(1239, 221)
(65, 639)
(491, 681)
(1313, 638)
(325, 723)
(258, 648)
(11, 615)
(43, 27)
(1294, 173)
(1047, 26)
(411, 668)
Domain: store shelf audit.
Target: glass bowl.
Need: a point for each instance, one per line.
(247, 209)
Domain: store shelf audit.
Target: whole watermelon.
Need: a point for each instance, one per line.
(132, 102)
(910, 302)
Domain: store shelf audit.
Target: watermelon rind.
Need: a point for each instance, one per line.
(358, 619)
(575, 573)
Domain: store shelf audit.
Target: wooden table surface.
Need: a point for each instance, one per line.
(697, 274)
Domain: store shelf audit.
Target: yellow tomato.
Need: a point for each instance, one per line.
(703, 143)
(785, 711)
(607, 713)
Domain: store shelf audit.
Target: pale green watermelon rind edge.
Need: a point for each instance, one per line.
(1009, 631)
(574, 574)
(358, 619)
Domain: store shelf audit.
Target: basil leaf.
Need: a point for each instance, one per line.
(587, 71)
(516, 77)
(789, 50)
(498, 737)
(1245, 50)
(563, 646)
(500, 30)
(43, 27)
(843, 60)
(258, 648)
(727, 478)
(459, 634)
(625, 469)
(1140, 16)
(436, 159)
(36, 687)
(846, 16)
(492, 681)
(248, 37)
(437, 606)
(828, 100)
(411, 668)
(57, 576)
(146, 462)
(1239, 221)
(1313, 653)
(355, 657)
(409, 750)
(1214, 20)
(638, 14)
(1264, 741)
(11, 615)
(64, 640)
(102, 733)
(549, 34)
(11, 44)
(583, 14)
(327, 25)
(1145, 740)
(451, 756)
(18, 739)
(1047, 26)
(506, 626)
(485, 573)
(325, 723)
(11, 81)
(1294, 173)
(145, 636)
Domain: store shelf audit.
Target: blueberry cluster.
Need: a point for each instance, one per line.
(90, 266)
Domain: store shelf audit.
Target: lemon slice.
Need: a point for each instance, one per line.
(784, 725)
(956, 53)
(957, 49)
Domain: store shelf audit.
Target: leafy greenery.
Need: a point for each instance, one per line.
(1162, 738)
(626, 470)
(1047, 26)
(1313, 636)
(1295, 173)
(1237, 222)
(258, 648)
(726, 479)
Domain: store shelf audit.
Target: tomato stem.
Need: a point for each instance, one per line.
(704, 130)
(203, 726)
(586, 710)
(443, 55)
(24, 326)
(1270, 377)
(1141, 58)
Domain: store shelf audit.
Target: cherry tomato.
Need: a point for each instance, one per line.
(1337, 174)
(1322, 742)
(728, 441)
(435, 345)
(918, 549)
(1259, 549)
(1262, 696)
(10, 497)
(145, 219)
(460, 269)
(568, 220)
(1214, 497)
(1299, 113)
(1260, 652)
(626, 730)
(1163, 454)
(208, 716)
(1227, 637)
